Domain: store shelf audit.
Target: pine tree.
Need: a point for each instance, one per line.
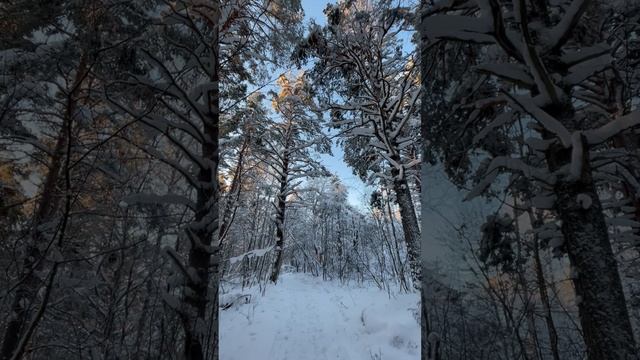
(372, 90)
(552, 58)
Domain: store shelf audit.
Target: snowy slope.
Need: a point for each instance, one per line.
(305, 318)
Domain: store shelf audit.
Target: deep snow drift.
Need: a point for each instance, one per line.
(305, 318)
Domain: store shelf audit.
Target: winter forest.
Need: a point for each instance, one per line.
(320, 179)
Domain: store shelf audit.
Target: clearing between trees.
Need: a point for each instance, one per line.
(304, 317)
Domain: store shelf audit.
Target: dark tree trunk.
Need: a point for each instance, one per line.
(630, 142)
(410, 227)
(204, 254)
(26, 292)
(341, 261)
(281, 207)
(203, 232)
(601, 302)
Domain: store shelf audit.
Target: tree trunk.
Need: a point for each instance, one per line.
(400, 264)
(281, 207)
(231, 204)
(203, 231)
(630, 142)
(339, 246)
(410, 228)
(601, 303)
(542, 288)
(26, 292)
(204, 254)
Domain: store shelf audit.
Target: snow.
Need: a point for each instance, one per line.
(577, 153)
(538, 144)
(546, 120)
(514, 72)
(362, 131)
(304, 317)
(250, 254)
(572, 57)
(558, 33)
(582, 71)
(584, 200)
(513, 165)
(556, 242)
(620, 221)
(458, 27)
(500, 120)
(140, 198)
(612, 128)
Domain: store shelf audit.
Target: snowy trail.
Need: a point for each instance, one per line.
(304, 318)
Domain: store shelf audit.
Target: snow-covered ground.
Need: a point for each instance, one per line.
(305, 318)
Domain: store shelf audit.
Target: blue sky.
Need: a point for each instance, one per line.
(313, 10)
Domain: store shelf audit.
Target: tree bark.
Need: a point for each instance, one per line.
(410, 228)
(281, 207)
(204, 255)
(601, 302)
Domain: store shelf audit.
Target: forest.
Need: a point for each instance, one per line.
(319, 179)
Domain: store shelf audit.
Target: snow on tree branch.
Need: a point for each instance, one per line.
(458, 27)
(547, 121)
(142, 198)
(511, 164)
(612, 128)
(560, 34)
